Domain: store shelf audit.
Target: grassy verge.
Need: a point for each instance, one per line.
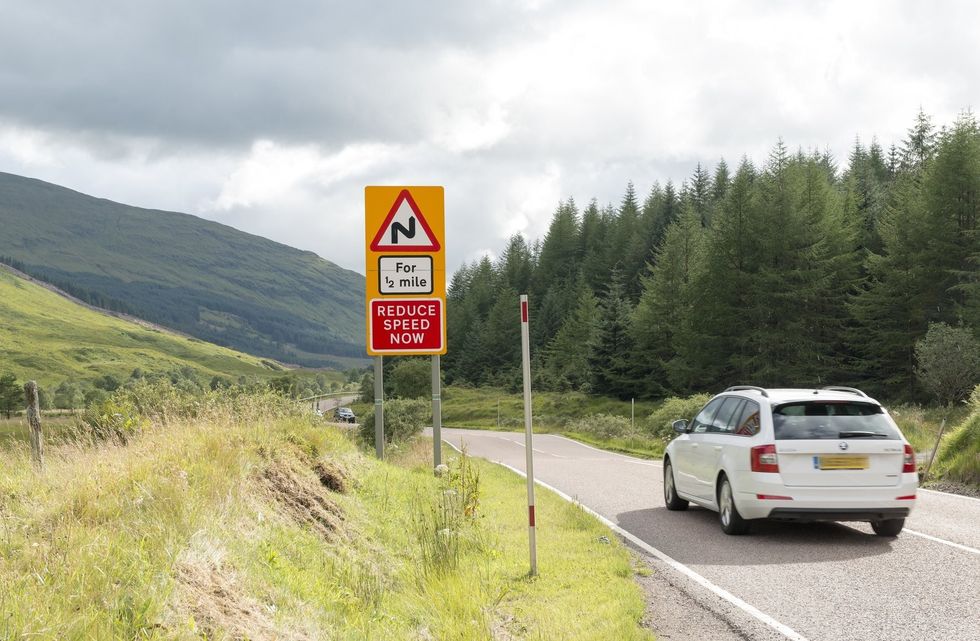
(246, 519)
(958, 461)
(920, 425)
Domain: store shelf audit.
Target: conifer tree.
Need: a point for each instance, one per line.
(557, 264)
(499, 347)
(567, 355)
(919, 144)
(610, 358)
(516, 265)
(626, 250)
(725, 295)
(661, 323)
(699, 192)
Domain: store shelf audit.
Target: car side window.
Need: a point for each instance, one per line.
(723, 417)
(705, 416)
(747, 423)
(730, 413)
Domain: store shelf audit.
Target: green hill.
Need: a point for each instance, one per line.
(49, 338)
(202, 278)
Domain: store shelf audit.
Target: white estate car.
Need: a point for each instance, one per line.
(830, 454)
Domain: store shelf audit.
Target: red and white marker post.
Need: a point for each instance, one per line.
(526, 356)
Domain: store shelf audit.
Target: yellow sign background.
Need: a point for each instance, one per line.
(378, 202)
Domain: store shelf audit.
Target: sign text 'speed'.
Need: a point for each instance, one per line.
(406, 323)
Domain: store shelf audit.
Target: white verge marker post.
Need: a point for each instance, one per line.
(526, 357)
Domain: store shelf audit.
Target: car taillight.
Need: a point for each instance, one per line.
(909, 462)
(764, 458)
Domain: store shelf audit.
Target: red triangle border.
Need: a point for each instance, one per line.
(405, 195)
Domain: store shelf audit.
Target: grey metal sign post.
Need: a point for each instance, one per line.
(379, 410)
(436, 412)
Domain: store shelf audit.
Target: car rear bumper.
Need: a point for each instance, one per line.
(823, 503)
(837, 514)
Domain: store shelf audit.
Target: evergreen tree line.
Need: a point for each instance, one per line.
(795, 273)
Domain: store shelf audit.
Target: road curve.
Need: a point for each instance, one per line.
(332, 403)
(822, 581)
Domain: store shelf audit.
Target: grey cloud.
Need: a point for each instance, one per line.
(228, 72)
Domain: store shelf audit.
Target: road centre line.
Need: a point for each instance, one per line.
(518, 443)
(751, 610)
(965, 548)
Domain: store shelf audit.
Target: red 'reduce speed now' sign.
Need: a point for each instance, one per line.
(406, 324)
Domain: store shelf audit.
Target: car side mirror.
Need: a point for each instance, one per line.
(680, 426)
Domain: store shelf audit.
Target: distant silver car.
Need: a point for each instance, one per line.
(345, 415)
(830, 454)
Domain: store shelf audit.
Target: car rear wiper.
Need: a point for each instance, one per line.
(858, 434)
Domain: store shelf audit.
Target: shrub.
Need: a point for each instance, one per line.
(114, 419)
(604, 426)
(659, 422)
(948, 362)
(367, 388)
(411, 378)
(404, 418)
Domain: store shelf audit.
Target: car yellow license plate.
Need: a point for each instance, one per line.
(843, 462)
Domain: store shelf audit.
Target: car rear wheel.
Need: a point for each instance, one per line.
(671, 500)
(731, 521)
(888, 527)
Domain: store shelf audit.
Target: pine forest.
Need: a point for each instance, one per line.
(798, 272)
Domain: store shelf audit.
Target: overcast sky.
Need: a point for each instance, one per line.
(273, 116)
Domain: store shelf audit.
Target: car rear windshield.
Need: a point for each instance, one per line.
(831, 420)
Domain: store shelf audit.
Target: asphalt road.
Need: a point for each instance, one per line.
(819, 581)
(330, 404)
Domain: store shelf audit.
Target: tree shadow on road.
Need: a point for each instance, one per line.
(694, 536)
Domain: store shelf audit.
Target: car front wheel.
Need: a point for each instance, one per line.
(888, 527)
(731, 521)
(671, 500)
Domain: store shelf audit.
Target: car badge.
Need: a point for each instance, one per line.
(842, 445)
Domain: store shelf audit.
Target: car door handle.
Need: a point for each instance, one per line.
(717, 448)
(694, 446)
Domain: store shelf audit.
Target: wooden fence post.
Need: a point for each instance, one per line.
(34, 420)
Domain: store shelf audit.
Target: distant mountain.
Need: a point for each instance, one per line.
(50, 338)
(199, 277)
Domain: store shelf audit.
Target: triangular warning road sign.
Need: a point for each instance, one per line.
(405, 228)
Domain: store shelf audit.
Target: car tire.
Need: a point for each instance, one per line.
(729, 518)
(671, 500)
(888, 527)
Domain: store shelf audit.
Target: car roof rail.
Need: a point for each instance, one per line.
(741, 388)
(841, 388)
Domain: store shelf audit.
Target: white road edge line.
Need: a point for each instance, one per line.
(930, 537)
(783, 629)
(959, 496)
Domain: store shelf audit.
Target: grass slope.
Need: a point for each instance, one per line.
(47, 337)
(252, 522)
(202, 278)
